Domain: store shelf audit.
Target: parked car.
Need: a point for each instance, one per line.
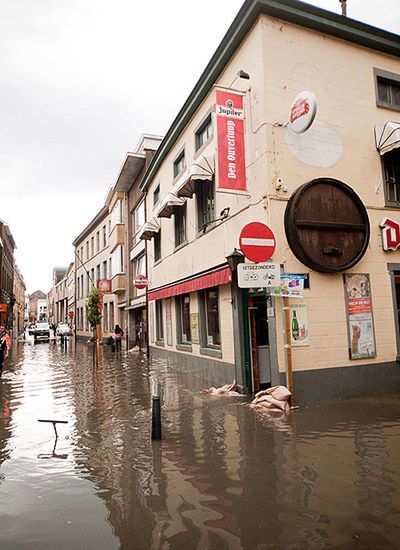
(40, 331)
(63, 329)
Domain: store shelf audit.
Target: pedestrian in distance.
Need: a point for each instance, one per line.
(3, 348)
(118, 337)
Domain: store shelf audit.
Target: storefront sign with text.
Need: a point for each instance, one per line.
(230, 135)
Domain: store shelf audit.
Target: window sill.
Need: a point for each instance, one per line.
(211, 352)
(390, 106)
(160, 343)
(182, 245)
(184, 347)
(392, 204)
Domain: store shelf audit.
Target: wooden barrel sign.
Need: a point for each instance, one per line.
(327, 225)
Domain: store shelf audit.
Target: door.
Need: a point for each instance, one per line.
(259, 341)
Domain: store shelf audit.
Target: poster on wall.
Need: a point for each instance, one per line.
(169, 321)
(194, 328)
(298, 323)
(230, 140)
(359, 316)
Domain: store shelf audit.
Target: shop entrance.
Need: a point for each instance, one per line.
(259, 342)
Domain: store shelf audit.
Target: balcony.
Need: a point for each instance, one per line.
(117, 236)
(118, 284)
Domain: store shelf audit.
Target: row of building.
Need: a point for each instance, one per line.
(294, 124)
(12, 284)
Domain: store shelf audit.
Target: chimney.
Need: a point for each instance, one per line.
(344, 7)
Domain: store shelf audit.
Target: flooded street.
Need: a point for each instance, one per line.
(224, 476)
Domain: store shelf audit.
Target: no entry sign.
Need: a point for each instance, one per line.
(257, 242)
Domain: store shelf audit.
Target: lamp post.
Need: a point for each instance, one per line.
(234, 259)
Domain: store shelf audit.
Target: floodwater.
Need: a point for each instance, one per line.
(223, 477)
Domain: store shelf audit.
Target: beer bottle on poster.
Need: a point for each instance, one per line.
(295, 327)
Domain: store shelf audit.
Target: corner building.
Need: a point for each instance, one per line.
(330, 194)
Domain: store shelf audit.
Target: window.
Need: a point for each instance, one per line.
(179, 164)
(116, 214)
(205, 203)
(98, 276)
(183, 319)
(92, 246)
(98, 241)
(140, 265)
(156, 195)
(212, 337)
(117, 261)
(105, 269)
(159, 321)
(387, 86)
(104, 237)
(180, 225)
(157, 246)
(111, 316)
(391, 170)
(138, 217)
(105, 317)
(87, 250)
(204, 133)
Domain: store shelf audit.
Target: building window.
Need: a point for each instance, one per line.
(387, 87)
(179, 164)
(87, 250)
(204, 133)
(105, 318)
(98, 276)
(183, 319)
(92, 246)
(156, 195)
(117, 261)
(105, 269)
(98, 241)
(116, 214)
(104, 236)
(205, 198)
(157, 246)
(210, 313)
(391, 170)
(180, 225)
(111, 316)
(140, 265)
(138, 217)
(159, 321)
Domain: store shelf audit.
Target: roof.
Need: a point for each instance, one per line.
(38, 294)
(99, 217)
(292, 11)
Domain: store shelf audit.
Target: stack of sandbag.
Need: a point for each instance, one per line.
(273, 399)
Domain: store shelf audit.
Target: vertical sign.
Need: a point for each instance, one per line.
(169, 321)
(230, 132)
(194, 328)
(298, 323)
(359, 316)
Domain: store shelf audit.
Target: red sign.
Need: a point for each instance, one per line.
(257, 242)
(390, 234)
(230, 132)
(3, 308)
(71, 314)
(140, 281)
(104, 285)
(302, 112)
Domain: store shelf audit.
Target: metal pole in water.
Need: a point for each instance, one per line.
(156, 418)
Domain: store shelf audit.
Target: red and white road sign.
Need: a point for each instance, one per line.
(257, 242)
(140, 281)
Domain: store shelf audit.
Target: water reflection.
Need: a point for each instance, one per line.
(224, 475)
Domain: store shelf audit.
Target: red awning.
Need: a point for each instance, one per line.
(220, 277)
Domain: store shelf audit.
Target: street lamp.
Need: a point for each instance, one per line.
(234, 259)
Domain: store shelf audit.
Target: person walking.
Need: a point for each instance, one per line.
(118, 337)
(3, 348)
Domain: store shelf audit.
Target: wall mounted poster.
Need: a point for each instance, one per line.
(359, 314)
(298, 323)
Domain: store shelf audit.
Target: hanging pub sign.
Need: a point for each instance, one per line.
(390, 234)
(302, 112)
(230, 139)
(360, 321)
(104, 285)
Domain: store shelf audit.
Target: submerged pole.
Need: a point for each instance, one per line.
(156, 418)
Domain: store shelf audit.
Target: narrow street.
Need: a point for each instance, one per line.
(224, 475)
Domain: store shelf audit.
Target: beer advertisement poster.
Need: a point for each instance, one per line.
(230, 140)
(298, 324)
(359, 316)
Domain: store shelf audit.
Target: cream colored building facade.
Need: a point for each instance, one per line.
(93, 262)
(284, 50)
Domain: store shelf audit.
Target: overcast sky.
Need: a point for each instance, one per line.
(80, 81)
